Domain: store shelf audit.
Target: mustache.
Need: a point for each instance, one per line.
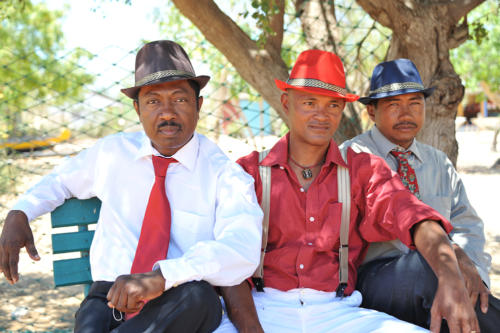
(169, 123)
(405, 123)
(316, 123)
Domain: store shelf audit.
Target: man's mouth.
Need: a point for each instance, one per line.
(169, 127)
(319, 126)
(407, 125)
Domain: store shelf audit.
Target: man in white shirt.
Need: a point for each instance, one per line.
(396, 103)
(214, 234)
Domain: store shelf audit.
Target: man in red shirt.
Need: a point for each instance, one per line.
(301, 267)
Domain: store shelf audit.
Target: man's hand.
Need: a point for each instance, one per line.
(473, 281)
(451, 301)
(241, 308)
(129, 292)
(16, 234)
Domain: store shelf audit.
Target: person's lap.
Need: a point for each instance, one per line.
(190, 307)
(404, 287)
(313, 311)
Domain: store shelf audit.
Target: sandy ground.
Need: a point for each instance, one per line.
(34, 305)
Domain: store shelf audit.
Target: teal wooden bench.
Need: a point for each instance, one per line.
(80, 214)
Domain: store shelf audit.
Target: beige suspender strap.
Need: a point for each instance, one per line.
(265, 176)
(344, 193)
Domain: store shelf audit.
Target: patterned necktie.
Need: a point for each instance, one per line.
(155, 231)
(406, 172)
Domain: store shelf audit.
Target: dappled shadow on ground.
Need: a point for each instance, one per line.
(45, 308)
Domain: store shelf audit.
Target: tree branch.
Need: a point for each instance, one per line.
(460, 8)
(273, 42)
(259, 67)
(378, 10)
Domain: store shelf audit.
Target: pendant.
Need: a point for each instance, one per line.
(307, 173)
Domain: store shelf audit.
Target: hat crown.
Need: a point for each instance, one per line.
(162, 61)
(161, 56)
(319, 65)
(396, 71)
(395, 77)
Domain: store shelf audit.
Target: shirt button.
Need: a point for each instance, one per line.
(302, 189)
(311, 219)
(301, 266)
(310, 244)
(281, 167)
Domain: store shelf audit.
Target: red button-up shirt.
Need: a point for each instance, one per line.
(304, 226)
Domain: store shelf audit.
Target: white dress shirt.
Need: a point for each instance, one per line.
(440, 187)
(216, 220)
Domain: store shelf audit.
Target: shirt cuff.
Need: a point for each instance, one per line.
(176, 272)
(27, 209)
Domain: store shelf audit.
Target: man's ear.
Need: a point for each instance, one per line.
(136, 107)
(284, 102)
(200, 102)
(370, 108)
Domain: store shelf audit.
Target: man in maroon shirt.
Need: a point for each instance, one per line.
(302, 254)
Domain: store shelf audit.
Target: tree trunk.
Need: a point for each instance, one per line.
(425, 31)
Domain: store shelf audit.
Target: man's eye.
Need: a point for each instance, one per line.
(182, 99)
(308, 103)
(152, 101)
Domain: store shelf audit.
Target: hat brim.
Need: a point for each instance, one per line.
(368, 99)
(132, 92)
(284, 86)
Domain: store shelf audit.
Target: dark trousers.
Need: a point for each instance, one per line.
(190, 307)
(404, 287)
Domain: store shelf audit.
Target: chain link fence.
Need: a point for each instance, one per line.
(46, 115)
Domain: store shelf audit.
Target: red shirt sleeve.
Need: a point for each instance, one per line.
(387, 209)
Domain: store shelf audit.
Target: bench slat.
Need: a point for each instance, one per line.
(68, 272)
(76, 212)
(72, 241)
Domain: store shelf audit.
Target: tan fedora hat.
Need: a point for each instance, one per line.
(162, 61)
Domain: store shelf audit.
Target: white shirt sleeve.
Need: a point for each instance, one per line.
(234, 253)
(73, 178)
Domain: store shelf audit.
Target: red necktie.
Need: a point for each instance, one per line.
(155, 231)
(406, 172)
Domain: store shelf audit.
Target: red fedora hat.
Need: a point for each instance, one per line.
(318, 72)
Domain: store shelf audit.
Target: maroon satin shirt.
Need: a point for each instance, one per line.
(304, 226)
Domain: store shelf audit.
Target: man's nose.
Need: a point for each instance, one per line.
(167, 110)
(404, 110)
(322, 111)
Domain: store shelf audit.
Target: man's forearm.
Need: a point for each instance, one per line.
(433, 243)
(241, 308)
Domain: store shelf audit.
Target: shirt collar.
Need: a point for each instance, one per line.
(385, 146)
(186, 155)
(278, 155)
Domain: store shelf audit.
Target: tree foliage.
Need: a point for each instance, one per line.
(477, 60)
(34, 68)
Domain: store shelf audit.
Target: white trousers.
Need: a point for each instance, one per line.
(312, 311)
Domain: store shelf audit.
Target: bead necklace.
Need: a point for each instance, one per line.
(306, 170)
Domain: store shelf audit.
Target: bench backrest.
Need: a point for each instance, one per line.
(79, 213)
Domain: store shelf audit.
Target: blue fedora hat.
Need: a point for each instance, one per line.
(395, 77)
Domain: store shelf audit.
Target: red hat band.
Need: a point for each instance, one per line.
(319, 72)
